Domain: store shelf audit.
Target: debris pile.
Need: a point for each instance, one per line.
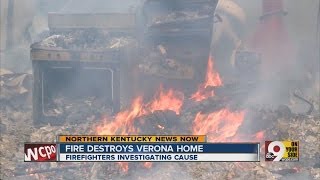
(78, 110)
(178, 16)
(159, 63)
(164, 122)
(14, 85)
(178, 34)
(16, 118)
(183, 11)
(91, 39)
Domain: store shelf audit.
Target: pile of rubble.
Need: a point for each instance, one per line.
(92, 39)
(185, 12)
(17, 127)
(179, 16)
(14, 85)
(159, 63)
(15, 115)
(77, 110)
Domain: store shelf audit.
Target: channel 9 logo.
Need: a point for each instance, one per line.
(282, 151)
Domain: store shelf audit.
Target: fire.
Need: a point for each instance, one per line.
(212, 80)
(123, 122)
(218, 126)
(167, 100)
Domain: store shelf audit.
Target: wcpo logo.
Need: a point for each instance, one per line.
(282, 151)
(40, 152)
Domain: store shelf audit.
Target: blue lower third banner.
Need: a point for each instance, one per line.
(196, 152)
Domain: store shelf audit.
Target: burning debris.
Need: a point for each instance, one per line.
(170, 112)
(124, 122)
(167, 113)
(219, 123)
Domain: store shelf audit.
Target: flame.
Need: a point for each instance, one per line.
(147, 165)
(218, 126)
(212, 80)
(170, 100)
(123, 122)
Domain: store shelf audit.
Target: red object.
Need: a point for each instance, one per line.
(271, 38)
(276, 149)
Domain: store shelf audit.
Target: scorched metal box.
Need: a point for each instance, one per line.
(58, 67)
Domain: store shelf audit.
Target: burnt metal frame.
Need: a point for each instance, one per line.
(39, 67)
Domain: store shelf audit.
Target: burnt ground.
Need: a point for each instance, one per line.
(17, 128)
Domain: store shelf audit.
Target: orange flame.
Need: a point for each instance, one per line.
(170, 100)
(212, 80)
(218, 126)
(123, 122)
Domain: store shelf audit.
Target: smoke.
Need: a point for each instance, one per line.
(290, 59)
(99, 6)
